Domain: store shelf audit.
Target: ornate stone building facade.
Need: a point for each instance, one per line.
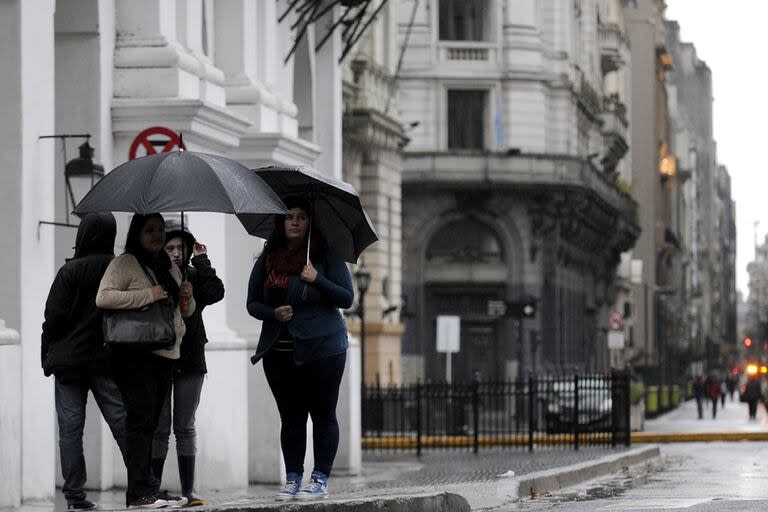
(236, 78)
(510, 184)
(373, 141)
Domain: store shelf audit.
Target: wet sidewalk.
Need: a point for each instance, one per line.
(731, 423)
(441, 480)
(734, 417)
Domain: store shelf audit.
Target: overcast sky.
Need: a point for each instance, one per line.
(731, 38)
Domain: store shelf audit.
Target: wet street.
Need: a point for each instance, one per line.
(715, 476)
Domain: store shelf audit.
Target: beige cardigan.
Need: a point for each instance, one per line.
(126, 286)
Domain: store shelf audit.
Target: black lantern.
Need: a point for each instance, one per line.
(80, 167)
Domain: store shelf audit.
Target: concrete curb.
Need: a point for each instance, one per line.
(559, 478)
(696, 437)
(428, 502)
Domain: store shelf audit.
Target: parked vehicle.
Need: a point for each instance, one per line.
(595, 405)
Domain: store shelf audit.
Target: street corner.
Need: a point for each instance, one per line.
(540, 483)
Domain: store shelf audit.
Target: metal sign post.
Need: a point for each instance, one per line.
(448, 336)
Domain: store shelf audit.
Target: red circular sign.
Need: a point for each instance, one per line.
(169, 141)
(616, 321)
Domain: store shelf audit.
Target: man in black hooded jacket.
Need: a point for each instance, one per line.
(73, 351)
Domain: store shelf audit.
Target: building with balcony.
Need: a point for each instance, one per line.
(373, 140)
(702, 210)
(511, 183)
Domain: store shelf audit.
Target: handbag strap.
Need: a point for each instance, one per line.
(149, 276)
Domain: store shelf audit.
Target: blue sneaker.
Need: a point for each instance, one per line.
(316, 489)
(291, 487)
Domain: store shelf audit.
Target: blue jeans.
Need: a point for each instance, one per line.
(186, 397)
(71, 398)
(311, 389)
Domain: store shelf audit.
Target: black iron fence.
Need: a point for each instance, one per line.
(540, 411)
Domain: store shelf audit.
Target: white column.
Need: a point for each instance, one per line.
(151, 61)
(328, 136)
(10, 412)
(238, 27)
(521, 36)
(329, 109)
(35, 93)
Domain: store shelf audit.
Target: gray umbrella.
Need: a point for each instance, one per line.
(337, 212)
(182, 181)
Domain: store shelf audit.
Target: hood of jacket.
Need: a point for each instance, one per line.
(96, 235)
(174, 229)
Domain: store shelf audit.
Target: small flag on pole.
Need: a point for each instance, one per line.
(499, 124)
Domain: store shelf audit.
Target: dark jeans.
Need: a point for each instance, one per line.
(311, 389)
(186, 389)
(144, 380)
(71, 398)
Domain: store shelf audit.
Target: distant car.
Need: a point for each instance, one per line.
(595, 405)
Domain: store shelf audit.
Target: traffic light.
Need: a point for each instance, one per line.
(747, 342)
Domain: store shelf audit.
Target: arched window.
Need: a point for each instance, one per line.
(467, 241)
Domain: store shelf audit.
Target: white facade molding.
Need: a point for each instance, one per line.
(275, 148)
(200, 122)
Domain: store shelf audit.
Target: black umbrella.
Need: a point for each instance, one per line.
(182, 181)
(336, 209)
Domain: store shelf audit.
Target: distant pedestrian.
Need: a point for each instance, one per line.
(752, 396)
(144, 274)
(712, 385)
(190, 369)
(699, 393)
(731, 384)
(723, 391)
(73, 351)
(303, 342)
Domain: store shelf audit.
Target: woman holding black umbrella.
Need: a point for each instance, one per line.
(144, 274)
(303, 341)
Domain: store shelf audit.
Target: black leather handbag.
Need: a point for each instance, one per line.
(150, 327)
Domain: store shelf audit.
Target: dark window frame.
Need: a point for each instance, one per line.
(467, 126)
(464, 20)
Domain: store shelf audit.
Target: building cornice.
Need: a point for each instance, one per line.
(373, 128)
(200, 122)
(452, 169)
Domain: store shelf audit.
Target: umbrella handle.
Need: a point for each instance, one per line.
(309, 242)
(309, 239)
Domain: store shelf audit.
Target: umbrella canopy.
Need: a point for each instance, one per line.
(182, 181)
(337, 212)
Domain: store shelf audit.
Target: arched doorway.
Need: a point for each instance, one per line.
(464, 269)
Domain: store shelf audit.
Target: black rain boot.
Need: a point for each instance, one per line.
(187, 477)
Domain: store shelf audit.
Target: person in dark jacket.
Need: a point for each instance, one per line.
(73, 351)
(699, 392)
(190, 369)
(752, 395)
(303, 342)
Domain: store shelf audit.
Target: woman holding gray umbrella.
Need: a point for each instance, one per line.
(144, 274)
(303, 341)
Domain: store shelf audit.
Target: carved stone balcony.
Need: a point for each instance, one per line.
(466, 52)
(614, 132)
(463, 169)
(612, 43)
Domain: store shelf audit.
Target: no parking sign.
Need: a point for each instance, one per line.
(155, 137)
